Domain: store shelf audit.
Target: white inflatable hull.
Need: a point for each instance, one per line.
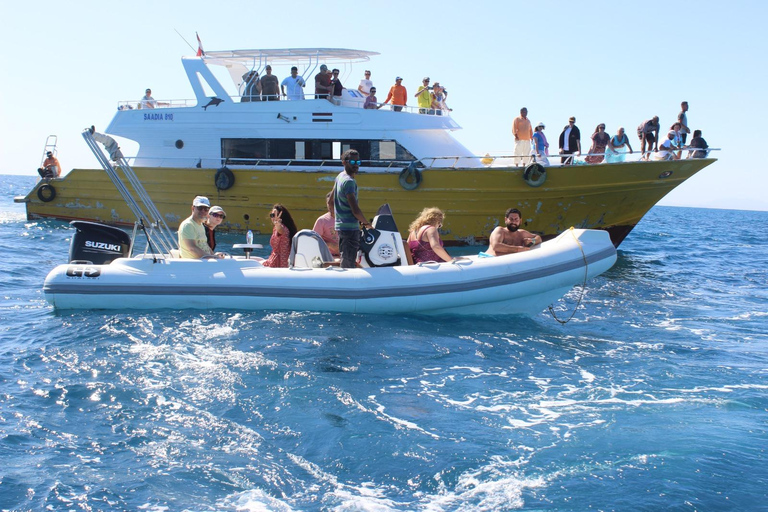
(523, 283)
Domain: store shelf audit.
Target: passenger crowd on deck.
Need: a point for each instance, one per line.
(532, 146)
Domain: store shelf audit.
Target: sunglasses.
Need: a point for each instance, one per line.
(218, 215)
(355, 162)
(272, 214)
(203, 208)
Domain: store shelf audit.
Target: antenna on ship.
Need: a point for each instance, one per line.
(182, 38)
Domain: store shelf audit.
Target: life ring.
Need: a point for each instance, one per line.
(410, 173)
(46, 193)
(535, 174)
(224, 179)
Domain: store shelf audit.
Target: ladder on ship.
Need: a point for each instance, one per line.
(50, 145)
(148, 218)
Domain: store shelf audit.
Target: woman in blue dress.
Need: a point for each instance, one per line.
(617, 142)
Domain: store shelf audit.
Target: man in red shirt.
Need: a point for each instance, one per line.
(398, 95)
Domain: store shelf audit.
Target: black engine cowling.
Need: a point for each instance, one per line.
(97, 244)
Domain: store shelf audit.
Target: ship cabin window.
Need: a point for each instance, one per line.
(309, 151)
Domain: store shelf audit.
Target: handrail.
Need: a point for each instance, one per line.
(147, 217)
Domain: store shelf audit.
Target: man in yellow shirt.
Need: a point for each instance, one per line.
(424, 97)
(521, 129)
(193, 243)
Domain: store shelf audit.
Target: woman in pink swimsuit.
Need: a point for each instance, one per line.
(424, 239)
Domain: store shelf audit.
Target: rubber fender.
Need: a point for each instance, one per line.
(410, 178)
(535, 174)
(46, 193)
(224, 179)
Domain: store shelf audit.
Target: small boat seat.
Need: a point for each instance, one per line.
(307, 247)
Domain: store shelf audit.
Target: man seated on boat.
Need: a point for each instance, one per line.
(667, 148)
(510, 239)
(51, 167)
(325, 226)
(699, 144)
(193, 243)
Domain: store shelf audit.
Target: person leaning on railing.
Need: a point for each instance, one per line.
(370, 101)
(699, 144)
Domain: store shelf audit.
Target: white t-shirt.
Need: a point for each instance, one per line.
(294, 87)
(566, 136)
(366, 85)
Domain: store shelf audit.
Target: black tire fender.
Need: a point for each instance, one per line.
(224, 179)
(410, 177)
(46, 193)
(535, 174)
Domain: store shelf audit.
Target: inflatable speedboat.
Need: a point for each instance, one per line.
(100, 275)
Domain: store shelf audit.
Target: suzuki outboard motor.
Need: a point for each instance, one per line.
(382, 246)
(97, 244)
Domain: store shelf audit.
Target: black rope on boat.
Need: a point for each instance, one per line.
(583, 285)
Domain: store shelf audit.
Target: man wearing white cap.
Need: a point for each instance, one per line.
(192, 241)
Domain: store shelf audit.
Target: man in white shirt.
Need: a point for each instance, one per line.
(365, 84)
(293, 85)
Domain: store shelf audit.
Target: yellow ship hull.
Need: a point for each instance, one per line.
(613, 197)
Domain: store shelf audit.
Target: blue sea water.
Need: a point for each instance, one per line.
(654, 397)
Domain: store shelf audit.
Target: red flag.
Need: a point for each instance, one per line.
(200, 51)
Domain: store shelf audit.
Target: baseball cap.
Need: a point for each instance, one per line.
(398, 78)
(49, 153)
(201, 201)
(217, 209)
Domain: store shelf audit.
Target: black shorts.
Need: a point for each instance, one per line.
(650, 137)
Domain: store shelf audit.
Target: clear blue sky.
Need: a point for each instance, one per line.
(66, 65)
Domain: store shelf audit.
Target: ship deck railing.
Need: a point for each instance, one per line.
(339, 101)
(391, 166)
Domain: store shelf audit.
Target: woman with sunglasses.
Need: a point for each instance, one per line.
(216, 216)
(283, 229)
(600, 139)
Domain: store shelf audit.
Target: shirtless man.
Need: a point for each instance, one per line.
(509, 239)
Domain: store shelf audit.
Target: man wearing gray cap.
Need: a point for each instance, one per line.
(323, 88)
(192, 241)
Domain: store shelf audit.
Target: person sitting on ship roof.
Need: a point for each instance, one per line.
(667, 149)
(424, 97)
(370, 101)
(325, 226)
(252, 91)
(366, 84)
(338, 87)
(283, 229)
(51, 167)
(648, 133)
(323, 88)
(293, 86)
(424, 238)
(148, 101)
(270, 86)
(398, 95)
(192, 241)
(510, 239)
(216, 216)
(618, 141)
(700, 144)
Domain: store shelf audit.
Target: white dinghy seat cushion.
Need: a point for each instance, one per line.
(305, 247)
